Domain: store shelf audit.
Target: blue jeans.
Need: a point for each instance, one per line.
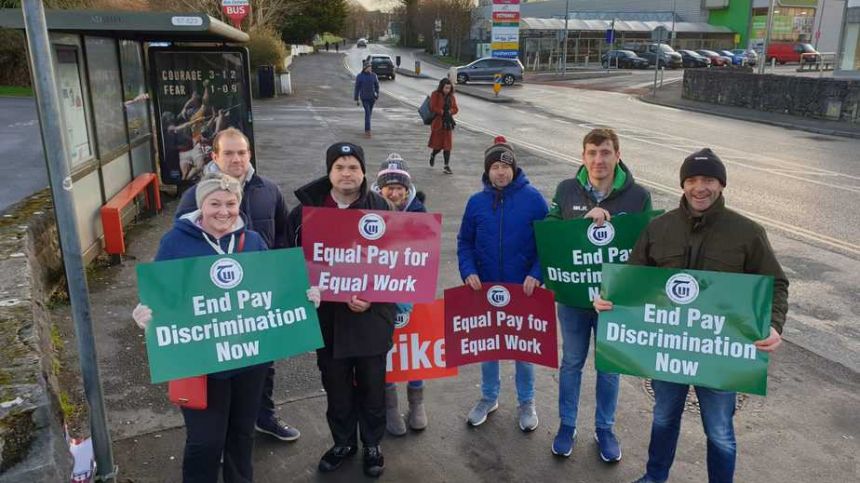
(577, 325)
(718, 409)
(368, 111)
(491, 383)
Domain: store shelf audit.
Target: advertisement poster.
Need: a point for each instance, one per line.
(685, 326)
(500, 322)
(418, 352)
(222, 312)
(505, 32)
(379, 256)
(198, 92)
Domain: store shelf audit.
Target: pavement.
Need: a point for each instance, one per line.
(806, 429)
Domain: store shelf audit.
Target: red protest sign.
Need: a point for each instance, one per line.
(500, 322)
(418, 352)
(379, 256)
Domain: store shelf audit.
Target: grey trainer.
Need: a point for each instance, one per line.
(482, 409)
(527, 416)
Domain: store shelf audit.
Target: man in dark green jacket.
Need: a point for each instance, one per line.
(703, 234)
(603, 187)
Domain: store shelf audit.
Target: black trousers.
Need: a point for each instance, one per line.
(225, 427)
(355, 389)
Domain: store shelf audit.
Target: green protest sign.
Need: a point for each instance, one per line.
(222, 312)
(572, 251)
(685, 326)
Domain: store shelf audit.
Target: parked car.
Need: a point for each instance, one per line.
(485, 68)
(624, 59)
(691, 58)
(737, 59)
(362, 42)
(717, 60)
(785, 52)
(381, 65)
(751, 55)
(662, 54)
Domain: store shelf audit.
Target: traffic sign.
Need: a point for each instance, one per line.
(235, 10)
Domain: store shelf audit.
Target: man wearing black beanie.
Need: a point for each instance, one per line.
(703, 234)
(357, 334)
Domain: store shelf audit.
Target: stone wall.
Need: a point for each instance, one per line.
(32, 439)
(813, 97)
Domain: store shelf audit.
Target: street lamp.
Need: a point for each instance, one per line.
(563, 60)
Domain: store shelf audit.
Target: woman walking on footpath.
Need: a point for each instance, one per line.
(443, 103)
(224, 431)
(367, 90)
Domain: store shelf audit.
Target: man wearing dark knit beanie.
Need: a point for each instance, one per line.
(702, 234)
(496, 244)
(357, 334)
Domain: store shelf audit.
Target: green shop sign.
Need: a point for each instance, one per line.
(572, 251)
(685, 326)
(223, 312)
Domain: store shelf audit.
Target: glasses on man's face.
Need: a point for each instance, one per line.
(241, 153)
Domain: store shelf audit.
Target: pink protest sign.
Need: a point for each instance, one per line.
(500, 322)
(378, 256)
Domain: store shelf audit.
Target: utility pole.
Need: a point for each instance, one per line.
(817, 33)
(56, 157)
(672, 39)
(767, 36)
(563, 61)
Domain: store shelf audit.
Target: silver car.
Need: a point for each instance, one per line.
(486, 68)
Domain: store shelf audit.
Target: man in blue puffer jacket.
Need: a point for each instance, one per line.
(496, 243)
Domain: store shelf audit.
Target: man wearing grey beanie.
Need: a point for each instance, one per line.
(711, 237)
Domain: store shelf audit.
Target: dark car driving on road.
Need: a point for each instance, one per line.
(381, 65)
(623, 59)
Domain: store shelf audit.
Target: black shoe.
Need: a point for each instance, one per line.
(432, 161)
(333, 458)
(374, 463)
(447, 170)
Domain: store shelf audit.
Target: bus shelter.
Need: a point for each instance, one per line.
(114, 102)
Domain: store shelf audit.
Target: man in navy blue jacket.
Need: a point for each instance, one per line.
(366, 89)
(264, 211)
(496, 243)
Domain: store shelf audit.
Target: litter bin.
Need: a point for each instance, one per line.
(397, 60)
(266, 78)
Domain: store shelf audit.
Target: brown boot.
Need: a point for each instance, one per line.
(393, 419)
(417, 417)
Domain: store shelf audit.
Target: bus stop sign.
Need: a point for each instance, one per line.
(235, 10)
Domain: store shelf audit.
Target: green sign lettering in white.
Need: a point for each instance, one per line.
(221, 312)
(685, 326)
(571, 253)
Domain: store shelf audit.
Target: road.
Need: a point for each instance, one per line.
(800, 186)
(23, 168)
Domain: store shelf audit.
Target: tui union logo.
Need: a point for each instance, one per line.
(682, 288)
(226, 273)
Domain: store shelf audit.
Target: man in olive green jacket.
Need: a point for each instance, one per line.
(703, 234)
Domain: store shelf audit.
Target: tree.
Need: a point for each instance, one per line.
(314, 17)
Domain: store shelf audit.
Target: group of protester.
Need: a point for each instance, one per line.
(234, 209)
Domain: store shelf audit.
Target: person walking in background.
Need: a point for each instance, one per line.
(394, 183)
(443, 103)
(366, 93)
